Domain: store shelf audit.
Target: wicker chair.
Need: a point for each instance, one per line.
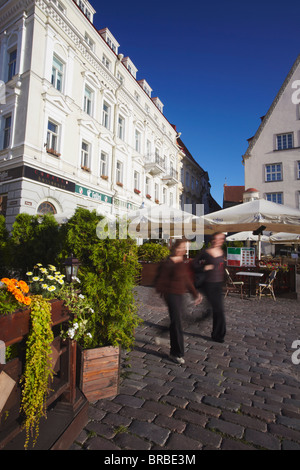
(268, 286)
(233, 286)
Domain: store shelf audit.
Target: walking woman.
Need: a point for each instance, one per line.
(175, 280)
(213, 261)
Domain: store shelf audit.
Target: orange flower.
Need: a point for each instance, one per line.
(23, 286)
(19, 296)
(27, 300)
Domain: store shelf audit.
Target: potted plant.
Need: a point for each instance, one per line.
(85, 168)
(108, 273)
(150, 255)
(137, 191)
(53, 152)
(98, 367)
(119, 184)
(104, 177)
(148, 196)
(37, 322)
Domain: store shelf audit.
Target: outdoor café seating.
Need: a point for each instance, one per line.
(233, 286)
(267, 288)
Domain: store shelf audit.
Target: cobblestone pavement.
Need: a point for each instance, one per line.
(241, 394)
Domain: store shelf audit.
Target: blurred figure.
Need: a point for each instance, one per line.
(173, 281)
(211, 261)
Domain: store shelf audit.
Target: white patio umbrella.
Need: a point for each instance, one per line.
(251, 216)
(284, 238)
(246, 236)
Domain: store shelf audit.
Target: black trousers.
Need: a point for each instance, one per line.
(214, 294)
(175, 303)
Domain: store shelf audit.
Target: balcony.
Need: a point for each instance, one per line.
(154, 165)
(170, 177)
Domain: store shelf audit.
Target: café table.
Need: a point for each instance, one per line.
(250, 274)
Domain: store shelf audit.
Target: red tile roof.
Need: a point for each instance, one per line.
(233, 193)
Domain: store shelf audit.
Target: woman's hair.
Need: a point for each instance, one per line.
(177, 243)
(214, 235)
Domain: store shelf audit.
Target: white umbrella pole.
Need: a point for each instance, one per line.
(259, 248)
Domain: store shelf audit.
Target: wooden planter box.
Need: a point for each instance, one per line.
(148, 273)
(68, 408)
(99, 372)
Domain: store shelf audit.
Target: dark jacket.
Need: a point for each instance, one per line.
(174, 278)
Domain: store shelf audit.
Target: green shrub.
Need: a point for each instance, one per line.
(34, 239)
(153, 252)
(108, 274)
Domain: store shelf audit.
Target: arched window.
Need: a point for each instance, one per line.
(46, 208)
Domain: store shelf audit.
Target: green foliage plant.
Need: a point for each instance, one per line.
(152, 252)
(108, 274)
(38, 372)
(34, 239)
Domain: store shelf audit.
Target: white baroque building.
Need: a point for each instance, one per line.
(272, 160)
(77, 128)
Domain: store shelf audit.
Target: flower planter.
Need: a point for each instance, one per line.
(68, 413)
(99, 372)
(148, 273)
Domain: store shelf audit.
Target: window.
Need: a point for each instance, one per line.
(89, 40)
(136, 178)
(85, 151)
(148, 149)
(119, 172)
(120, 77)
(7, 132)
(193, 183)
(121, 127)
(104, 164)
(106, 115)
(137, 96)
(164, 196)
(148, 186)
(57, 73)
(187, 177)
(273, 172)
(105, 62)
(298, 170)
(284, 141)
(137, 141)
(52, 136)
(12, 62)
(46, 208)
(88, 100)
(275, 197)
(156, 155)
(111, 44)
(171, 199)
(59, 5)
(156, 192)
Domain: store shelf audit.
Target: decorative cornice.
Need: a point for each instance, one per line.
(8, 11)
(271, 109)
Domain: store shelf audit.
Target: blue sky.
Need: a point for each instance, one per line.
(216, 66)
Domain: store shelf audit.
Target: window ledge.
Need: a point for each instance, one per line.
(283, 150)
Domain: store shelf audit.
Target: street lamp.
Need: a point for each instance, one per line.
(71, 266)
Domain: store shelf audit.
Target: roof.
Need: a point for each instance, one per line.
(252, 141)
(233, 193)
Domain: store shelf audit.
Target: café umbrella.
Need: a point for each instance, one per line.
(251, 216)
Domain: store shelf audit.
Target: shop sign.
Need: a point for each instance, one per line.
(92, 194)
(47, 178)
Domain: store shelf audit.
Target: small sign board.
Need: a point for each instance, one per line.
(240, 256)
